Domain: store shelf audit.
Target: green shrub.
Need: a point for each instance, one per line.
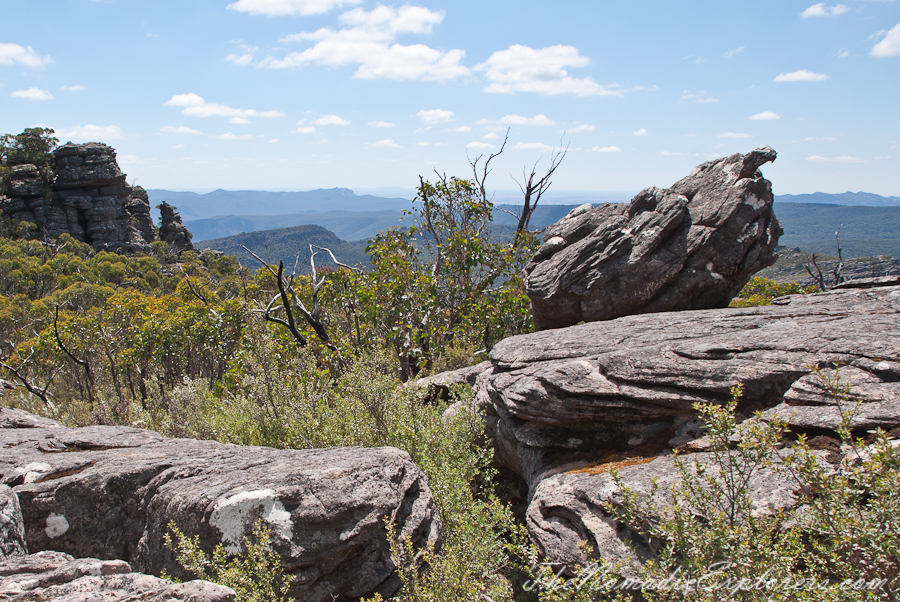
(255, 574)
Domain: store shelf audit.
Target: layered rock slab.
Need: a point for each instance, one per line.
(691, 246)
(110, 493)
(564, 401)
(56, 576)
(629, 385)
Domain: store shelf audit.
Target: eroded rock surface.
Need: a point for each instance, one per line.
(57, 576)
(172, 230)
(562, 401)
(89, 199)
(691, 246)
(110, 492)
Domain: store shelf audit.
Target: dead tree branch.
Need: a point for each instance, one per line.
(41, 393)
(87, 367)
(485, 170)
(290, 301)
(534, 190)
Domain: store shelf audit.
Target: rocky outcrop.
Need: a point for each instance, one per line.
(628, 386)
(12, 529)
(563, 404)
(49, 576)
(172, 230)
(87, 197)
(691, 246)
(110, 493)
(57, 576)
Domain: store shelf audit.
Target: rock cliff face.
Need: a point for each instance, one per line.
(691, 246)
(110, 493)
(90, 200)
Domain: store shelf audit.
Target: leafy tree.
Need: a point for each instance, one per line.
(34, 146)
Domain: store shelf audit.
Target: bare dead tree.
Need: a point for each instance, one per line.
(288, 300)
(533, 190)
(87, 367)
(481, 176)
(40, 392)
(837, 272)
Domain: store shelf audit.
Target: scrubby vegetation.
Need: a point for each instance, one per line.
(195, 345)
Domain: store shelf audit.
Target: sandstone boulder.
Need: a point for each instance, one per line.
(110, 493)
(560, 403)
(56, 576)
(691, 246)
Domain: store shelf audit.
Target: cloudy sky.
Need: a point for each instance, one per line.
(302, 94)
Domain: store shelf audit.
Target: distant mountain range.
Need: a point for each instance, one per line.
(850, 199)
(349, 225)
(284, 244)
(194, 206)
(865, 231)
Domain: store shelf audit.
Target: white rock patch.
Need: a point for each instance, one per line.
(234, 516)
(57, 525)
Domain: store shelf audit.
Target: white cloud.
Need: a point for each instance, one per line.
(525, 69)
(230, 136)
(386, 144)
(820, 10)
(764, 116)
(843, 53)
(463, 129)
(308, 129)
(171, 129)
(671, 154)
(640, 132)
(240, 59)
(702, 96)
(480, 145)
(91, 133)
(274, 140)
(422, 143)
(519, 120)
(195, 106)
(178, 146)
(581, 128)
(606, 149)
(73, 88)
(331, 120)
(813, 139)
(890, 45)
(435, 116)
(239, 121)
(733, 52)
(734, 135)
(540, 146)
(32, 94)
(23, 55)
(367, 40)
(280, 8)
(491, 136)
(382, 124)
(817, 158)
(803, 75)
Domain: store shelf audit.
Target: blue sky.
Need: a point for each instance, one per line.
(303, 94)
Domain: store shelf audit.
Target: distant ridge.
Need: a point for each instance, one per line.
(850, 199)
(217, 203)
